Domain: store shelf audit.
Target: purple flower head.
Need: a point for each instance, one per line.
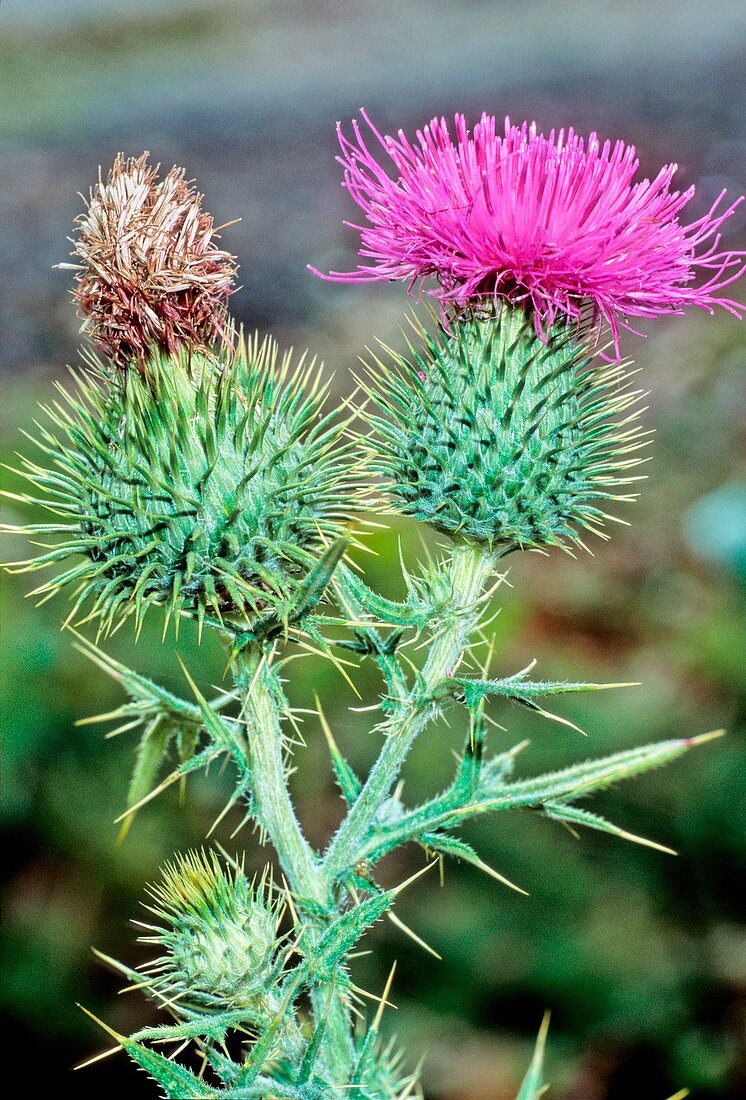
(556, 222)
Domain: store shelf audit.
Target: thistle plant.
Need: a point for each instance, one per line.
(200, 473)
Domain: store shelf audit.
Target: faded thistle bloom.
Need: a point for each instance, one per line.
(212, 483)
(150, 274)
(552, 221)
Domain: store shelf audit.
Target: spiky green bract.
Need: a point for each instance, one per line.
(219, 935)
(206, 487)
(488, 432)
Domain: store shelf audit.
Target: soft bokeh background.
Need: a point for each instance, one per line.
(640, 956)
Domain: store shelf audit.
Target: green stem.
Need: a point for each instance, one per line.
(276, 814)
(471, 567)
(272, 802)
(307, 876)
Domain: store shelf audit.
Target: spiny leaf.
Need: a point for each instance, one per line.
(578, 780)
(262, 1049)
(349, 784)
(313, 1049)
(414, 612)
(178, 1082)
(213, 1025)
(222, 732)
(138, 687)
(310, 590)
(454, 846)
(267, 1088)
(574, 815)
(304, 598)
(329, 952)
(367, 1048)
(151, 752)
(521, 690)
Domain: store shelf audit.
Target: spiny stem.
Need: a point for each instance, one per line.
(274, 811)
(471, 565)
(272, 801)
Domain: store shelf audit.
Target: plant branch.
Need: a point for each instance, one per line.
(553, 791)
(274, 811)
(271, 798)
(471, 566)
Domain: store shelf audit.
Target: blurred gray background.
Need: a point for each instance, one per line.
(641, 958)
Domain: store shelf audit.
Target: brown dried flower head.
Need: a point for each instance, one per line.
(150, 275)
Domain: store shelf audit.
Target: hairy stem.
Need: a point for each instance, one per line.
(275, 813)
(272, 802)
(471, 567)
(307, 876)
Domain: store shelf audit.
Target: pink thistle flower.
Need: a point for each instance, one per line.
(556, 222)
(150, 274)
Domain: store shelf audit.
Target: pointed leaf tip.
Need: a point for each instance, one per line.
(703, 739)
(533, 1083)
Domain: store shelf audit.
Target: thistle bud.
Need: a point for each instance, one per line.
(218, 932)
(150, 275)
(201, 486)
(493, 434)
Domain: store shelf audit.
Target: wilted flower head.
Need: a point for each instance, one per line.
(150, 274)
(555, 221)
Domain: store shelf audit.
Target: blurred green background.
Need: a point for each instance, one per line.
(640, 956)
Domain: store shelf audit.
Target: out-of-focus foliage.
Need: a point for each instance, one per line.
(639, 955)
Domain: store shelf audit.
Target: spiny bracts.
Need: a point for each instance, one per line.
(207, 487)
(218, 932)
(492, 434)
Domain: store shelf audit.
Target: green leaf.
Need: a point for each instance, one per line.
(574, 782)
(413, 613)
(177, 1082)
(349, 784)
(519, 689)
(152, 699)
(344, 933)
(211, 1025)
(262, 1049)
(221, 732)
(266, 1087)
(454, 846)
(308, 594)
(150, 755)
(574, 815)
(310, 1057)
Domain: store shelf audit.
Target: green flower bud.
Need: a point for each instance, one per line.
(201, 485)
(219, 935)
(501, 438)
